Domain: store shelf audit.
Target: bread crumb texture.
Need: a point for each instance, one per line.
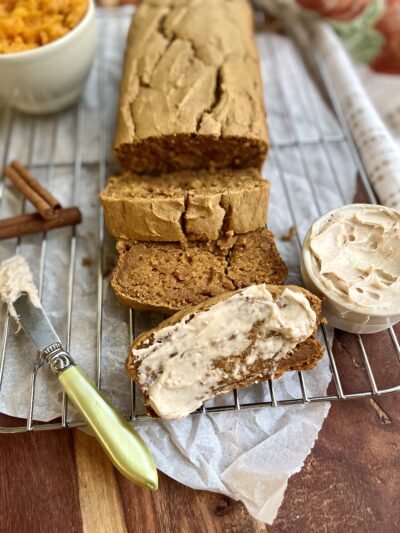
(170, 276)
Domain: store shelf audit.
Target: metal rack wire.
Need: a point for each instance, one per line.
(293, 140)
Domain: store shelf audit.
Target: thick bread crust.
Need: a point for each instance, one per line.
(214, 116)
(304, 357)
(137, 305)
(167, 277)
(185, 205)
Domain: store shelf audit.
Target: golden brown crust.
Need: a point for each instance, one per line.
(185, 205)
(304, 357)
(213, 116)
(167, 277)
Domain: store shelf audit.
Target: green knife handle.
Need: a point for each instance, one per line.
(120, 441)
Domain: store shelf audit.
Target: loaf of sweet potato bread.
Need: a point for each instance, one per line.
(162, 276)
(191, 94)
(230, 341)
(185, 205)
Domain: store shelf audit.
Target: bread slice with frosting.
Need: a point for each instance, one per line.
(227, 342)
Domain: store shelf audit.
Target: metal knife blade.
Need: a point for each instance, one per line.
(35, 323)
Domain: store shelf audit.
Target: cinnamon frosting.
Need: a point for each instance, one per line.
(16, 279)
(180, 367)
(355, 256)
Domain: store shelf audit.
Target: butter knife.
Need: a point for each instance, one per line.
(123, 445)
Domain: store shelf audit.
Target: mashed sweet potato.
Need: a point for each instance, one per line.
(26, 24)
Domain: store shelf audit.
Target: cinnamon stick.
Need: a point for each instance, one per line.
(27, 184)
(36, 185)
(28, 224)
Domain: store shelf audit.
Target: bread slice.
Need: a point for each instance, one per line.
(226, 342)
(169, 276)
(185, 205)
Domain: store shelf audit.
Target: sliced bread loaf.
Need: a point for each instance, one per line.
(226, 342)
(169, 276)
(185, 205)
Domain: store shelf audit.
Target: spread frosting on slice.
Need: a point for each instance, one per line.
(183, 365)
(356, 256)
(16, 279)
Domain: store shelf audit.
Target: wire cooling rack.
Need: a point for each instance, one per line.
(285, 136)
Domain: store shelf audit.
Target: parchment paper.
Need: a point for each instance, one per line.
(248, 455)
(370, 101)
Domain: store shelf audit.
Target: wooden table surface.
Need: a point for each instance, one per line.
(60, 481)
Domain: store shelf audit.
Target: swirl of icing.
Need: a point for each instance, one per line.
(355, 255)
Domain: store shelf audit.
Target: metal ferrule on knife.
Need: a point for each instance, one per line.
(57, 358)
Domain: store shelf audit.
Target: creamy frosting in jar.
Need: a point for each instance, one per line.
(355, 255)
(180, 368)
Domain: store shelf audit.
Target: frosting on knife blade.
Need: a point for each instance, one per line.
(16, 279)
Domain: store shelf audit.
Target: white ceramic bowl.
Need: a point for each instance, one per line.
(51, 77)
(339, 314)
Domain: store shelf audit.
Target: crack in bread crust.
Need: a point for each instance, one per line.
(182, 103)
(197, 206)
